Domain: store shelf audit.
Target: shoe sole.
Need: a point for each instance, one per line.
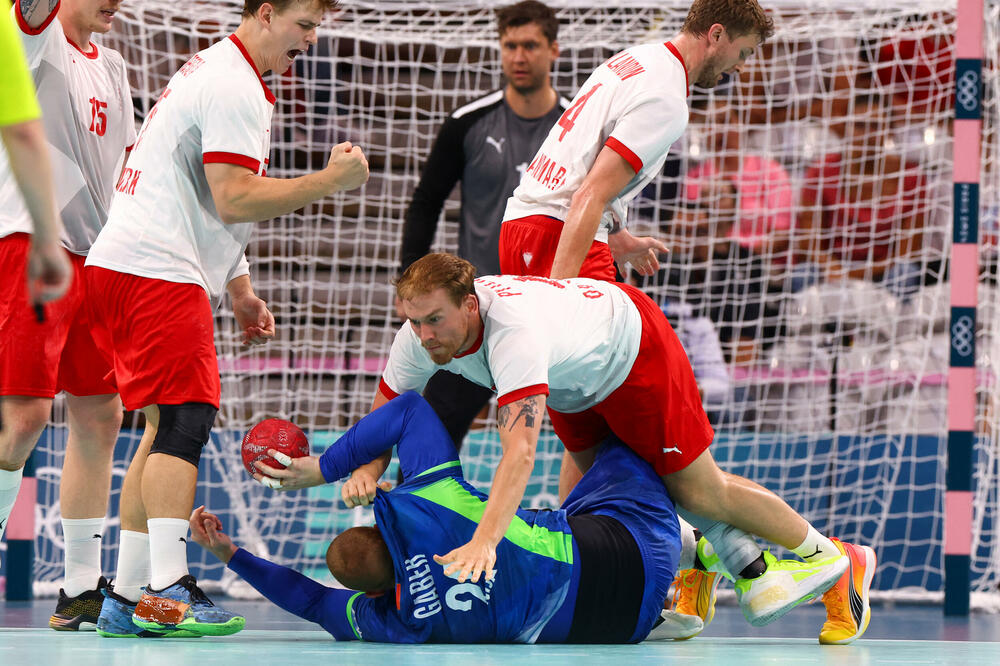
(866, 615)
(707, 620)
(824, 585)
(78, 623)
(194, 627)
(172, 633)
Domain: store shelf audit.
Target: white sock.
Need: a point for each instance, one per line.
(167, 551)
(83, 554)
(689, 546)
(133, 565)
(10, 483)
(816, 547)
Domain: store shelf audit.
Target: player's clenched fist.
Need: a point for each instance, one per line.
(348, 166)
(359, 490)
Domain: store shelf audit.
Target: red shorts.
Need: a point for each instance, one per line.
(39, 359)
(161, 335)
(656, 411)
(528, 246)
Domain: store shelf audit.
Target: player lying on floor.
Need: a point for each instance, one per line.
(595, 571)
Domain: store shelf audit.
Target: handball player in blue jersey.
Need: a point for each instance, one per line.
(595, 571)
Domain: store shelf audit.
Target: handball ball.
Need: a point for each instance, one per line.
(277, 434)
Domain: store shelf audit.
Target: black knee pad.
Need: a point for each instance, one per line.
(183, 430)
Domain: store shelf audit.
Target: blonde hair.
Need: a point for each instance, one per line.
(437, 271)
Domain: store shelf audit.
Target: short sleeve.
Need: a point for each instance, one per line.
(130, 133)
(234, 125)
(239, 269)
(650, 124)
(409, 367)
(519, 360)
(38, 41)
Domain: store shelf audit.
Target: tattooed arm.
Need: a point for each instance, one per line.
(36, 12)
(519, 423)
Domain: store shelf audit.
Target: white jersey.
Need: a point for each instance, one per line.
(163, 222)
(89, 124)
(575, 340)
(636, 104)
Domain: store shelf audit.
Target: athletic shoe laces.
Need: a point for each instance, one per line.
(197, 596)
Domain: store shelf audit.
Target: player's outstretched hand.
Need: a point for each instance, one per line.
(359, 489)
(254, 319)
(348, 166)
(206, 530)
(49, 272)
(299, 473)
(469, 561)
(642, 252)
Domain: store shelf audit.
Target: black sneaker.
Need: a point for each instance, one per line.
(79, 613)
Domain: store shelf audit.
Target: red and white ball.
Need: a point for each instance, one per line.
(277, 434)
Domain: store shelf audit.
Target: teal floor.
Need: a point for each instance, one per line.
(912, 635)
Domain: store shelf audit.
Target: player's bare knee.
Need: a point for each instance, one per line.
(23, 423)
(183, 430)
(15, 449)
(95, 420)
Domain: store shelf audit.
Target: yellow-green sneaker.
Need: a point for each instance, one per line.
(784, 585)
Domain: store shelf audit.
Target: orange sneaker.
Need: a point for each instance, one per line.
(847, 605)
(694, 594)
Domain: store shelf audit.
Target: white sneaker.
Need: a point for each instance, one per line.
(785, 585)
(676, 626)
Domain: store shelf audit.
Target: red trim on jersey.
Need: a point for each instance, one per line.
(687, 81)
(27, 29)
(386, 391)
(128, 149)
(267, 91)
(526, 392)
(230, 158)
(475, 345)
(91, 56)
(623, 150)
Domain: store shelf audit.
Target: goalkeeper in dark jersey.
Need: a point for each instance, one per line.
(595, 571)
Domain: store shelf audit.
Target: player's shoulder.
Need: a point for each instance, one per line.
(478, 107)
(651, 58)
(224, 73)
(113, 59)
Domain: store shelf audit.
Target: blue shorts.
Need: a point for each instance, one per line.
(623, 486)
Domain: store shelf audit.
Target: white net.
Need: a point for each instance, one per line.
(810, 227)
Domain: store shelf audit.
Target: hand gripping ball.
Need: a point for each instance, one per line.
(277, 434)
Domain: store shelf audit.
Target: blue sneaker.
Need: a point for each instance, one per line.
(115, 620)
(183, 606)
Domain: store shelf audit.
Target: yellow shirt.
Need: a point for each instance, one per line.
(17, 92)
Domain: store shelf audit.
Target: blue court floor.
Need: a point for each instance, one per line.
(900, 634)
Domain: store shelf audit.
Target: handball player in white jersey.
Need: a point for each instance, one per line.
(174, 243)
(602, 359)
(567, 218)
(89, 126)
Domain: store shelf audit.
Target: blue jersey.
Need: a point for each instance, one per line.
(434, 510)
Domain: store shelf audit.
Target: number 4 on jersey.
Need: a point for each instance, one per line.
(568, 118)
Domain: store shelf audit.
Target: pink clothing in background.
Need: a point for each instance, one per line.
(765, 197)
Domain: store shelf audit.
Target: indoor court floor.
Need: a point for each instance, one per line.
(899, 634)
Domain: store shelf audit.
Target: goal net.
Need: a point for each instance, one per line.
(808, 208)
